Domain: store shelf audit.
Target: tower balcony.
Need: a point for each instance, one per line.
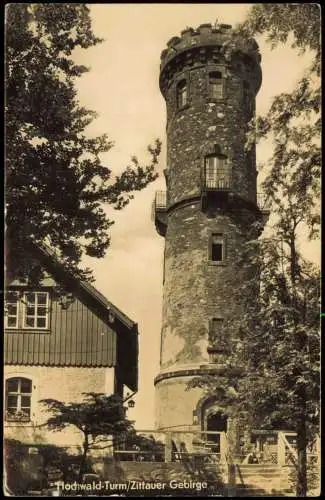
(216, 184)
(159, 212)
(216, 179)
(262, 202)
(264, 207)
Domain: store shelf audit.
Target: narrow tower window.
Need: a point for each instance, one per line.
(217, 250)
(217, 340)
(215, 331)
(182, 95)
(216, 172)
(216, 85)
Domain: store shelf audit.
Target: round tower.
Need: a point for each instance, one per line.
(209, 78)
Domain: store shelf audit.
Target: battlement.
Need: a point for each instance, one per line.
(216, 43)
(205, 34)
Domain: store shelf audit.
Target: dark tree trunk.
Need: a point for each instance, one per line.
(83, 458)
(301, 489)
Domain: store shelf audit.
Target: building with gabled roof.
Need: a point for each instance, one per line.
(61, 339)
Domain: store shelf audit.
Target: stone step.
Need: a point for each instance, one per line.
(262, 479)
(260, 466)
(250, 490)
(265, 484)
(265, 476)
(245, 470)
(261, 471)
(262, 493)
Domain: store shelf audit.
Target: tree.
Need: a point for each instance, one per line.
(293, 120)
(56, 184)
(292, 185)
(97, 417)
(271, 377)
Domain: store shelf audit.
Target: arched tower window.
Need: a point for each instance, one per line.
(216, 85)
(182, 94)
(217, 174)
(18, 399)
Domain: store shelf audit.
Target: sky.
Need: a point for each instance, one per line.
(122, 87)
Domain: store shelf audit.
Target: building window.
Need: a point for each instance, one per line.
(28, 310)
(217, 340)
(182, 94)
(217, 173)
(11, 309)
(215, 331)
(35, 310)
(217, 248)
(18, 399)
(216, 87)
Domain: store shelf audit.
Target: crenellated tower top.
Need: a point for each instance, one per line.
(219, 44)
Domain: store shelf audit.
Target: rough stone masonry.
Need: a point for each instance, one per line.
(209, 78)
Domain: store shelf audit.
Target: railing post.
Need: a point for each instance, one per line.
(231, 486)
(281, 449)
(168, 447)
(223, 447)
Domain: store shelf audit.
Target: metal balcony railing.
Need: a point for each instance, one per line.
(160, 200)
(220, 181)
(159, 205)
(262, 202)
(216, 178)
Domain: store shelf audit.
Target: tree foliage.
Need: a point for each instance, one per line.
(98, 417)
(271, 377)
(56, 183)
(293, 119)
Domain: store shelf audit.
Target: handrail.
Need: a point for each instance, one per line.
(160, 199)
(159, 203)
(174, 430)
(199, 445)
(292, 451)
(182, 453)
(262, 202)
(217, 178)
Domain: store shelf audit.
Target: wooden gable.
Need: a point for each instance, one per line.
(85, 330)
(75, 336)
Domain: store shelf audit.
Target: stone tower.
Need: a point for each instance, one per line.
(209, 78)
